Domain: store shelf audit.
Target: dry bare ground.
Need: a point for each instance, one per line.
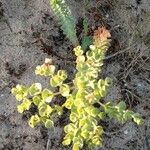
(29, 33)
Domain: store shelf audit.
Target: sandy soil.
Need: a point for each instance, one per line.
(29, 33)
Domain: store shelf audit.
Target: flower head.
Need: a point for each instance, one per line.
(101, 36)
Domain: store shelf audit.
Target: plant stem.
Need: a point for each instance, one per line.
(101, 104)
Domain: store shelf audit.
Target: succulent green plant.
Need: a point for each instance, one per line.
(85, 91)
(87, 40)
(66, 19)
(68, 23)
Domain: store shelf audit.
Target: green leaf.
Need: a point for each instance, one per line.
(20, 92)
(42, 104)
(59, 109)
(82, 122)
(24, 106)
(46, 69)
(93, 120)
(34, 120)
(108, 81)
(69, 128)
(27, 103)
(100, 83)
(102, 115)
(50, 70)
(55, 81)
(80, 111)
(19, 97)
(139, 121)
(102, 88)
(49, 123)
(69, 102)
(39, 71)
(96, 58)
(78, 51)
(96, 141)
(97, 94)
(44, 110)
(99, 130)
(128, 115)
(80, 83)
(78, 141)
(89, 55)
(76, 147)
(68, 138)
(90, 145)
(87, 126)
(79, 102)
(86, 42)
(80, 59)
(112, 113)
(121, 106)
(110, 110)
(92, 72)
(14, 91)
(73, 117)
(64, 90)
(91, 84)
(62, 74)
(21, 88)
(85, 134)
(66, 142)
(37, 100)
(137, 118)
(102, 92)
(35, 89)
(49, 110)
(47, 95)
(92, 111)
(20, 108)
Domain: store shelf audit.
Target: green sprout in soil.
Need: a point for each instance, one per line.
(68, 23)
(66, 19)
(81, 95)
